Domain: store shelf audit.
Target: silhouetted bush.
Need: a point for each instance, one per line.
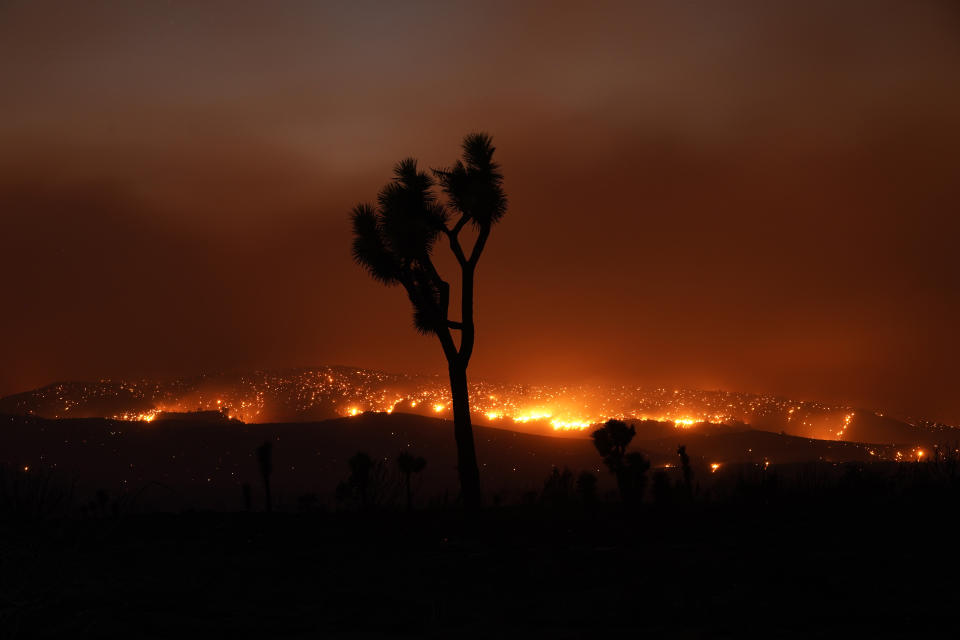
(28, 494)
(558, 488)
(662, 488)
(587, 488)
(367, 485)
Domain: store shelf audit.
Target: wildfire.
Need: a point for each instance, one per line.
(843, 428)
(147, 416)
(714, 466)
(685, 423)
(437, 408)
(570, 425)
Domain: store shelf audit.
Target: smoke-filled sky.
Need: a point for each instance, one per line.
(754, 196)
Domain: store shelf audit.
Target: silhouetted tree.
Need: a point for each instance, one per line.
(686, 469)
(410, 464)
(265, 459)
(611, 442)
(394, 241)
(558, 487)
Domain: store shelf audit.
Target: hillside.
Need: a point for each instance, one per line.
(185, 462)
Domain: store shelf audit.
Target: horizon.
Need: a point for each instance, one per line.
(442, 376)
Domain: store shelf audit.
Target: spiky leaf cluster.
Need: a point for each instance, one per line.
(474, 185)
(393, 240)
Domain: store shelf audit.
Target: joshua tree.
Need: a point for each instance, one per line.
(409, 465)
(361, 468)
(611, 441)
(687, 469)
(394, 242)
(265, 458)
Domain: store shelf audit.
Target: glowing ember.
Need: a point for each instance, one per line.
(437, 408)
(843, 428)
(714, 466)
(685, 423)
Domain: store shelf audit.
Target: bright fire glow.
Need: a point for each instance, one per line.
(536, 414)
(569, 425)
(685, 423)
(352, 411)
(714, 466)
(437, 408)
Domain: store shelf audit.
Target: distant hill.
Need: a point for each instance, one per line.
(328, 392)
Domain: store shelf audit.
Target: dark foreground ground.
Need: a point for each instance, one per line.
(803, 568)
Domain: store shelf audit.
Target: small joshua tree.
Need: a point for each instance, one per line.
(611, 442)
(410, 464)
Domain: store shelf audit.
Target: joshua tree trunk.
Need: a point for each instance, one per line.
(463, 432)
(269, 498)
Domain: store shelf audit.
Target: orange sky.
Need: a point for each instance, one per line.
(759, 197)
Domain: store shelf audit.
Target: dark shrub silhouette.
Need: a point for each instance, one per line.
(587, 488)
(361, 467)
(558, 487)
(29, 493)
(630, 470)
(634, 477)
(308, 502)
(265, 459)
(394, 241)
(662, 488)
(410, 464)
(247, 496)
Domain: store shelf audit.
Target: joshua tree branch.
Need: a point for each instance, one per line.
(454, 235)
(478, 246)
